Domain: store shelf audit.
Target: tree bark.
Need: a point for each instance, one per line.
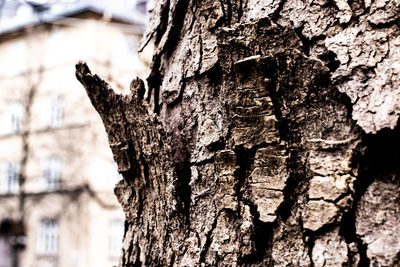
(267, 137)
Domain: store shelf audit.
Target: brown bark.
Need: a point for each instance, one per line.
(273, 140)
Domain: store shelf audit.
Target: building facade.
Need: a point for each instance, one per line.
(57, 175)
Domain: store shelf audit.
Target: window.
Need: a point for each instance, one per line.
(118, 176)
(115, 239)
(14, 117)
(124, 51)
(51, 173)
(17, 57)
(47, 242)
(55, 112)
(56, 51)
(10, 184)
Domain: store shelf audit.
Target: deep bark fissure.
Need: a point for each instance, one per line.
(207, 244)
(137, 263)
(263, 232)
(161, 28)
(140, 204)
(309, 241)
(183, 189)
(193, 9)
(245, 160)
(348, 231)
(154, 84)
(297, 171)
(262, 236)
(177, 24)
(294, 185)
(240, 10)
(378, 156)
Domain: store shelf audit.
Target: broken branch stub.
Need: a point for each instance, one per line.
(137, 141)
(134, 134)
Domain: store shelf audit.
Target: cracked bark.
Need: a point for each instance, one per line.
(268, 135)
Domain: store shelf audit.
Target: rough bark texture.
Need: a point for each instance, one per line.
(272, 136)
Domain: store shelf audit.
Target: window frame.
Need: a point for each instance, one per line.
(15, 115)
(51, 172)
(10, 183)
(48, 237)
(55, 115)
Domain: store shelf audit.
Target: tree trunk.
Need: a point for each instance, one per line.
(270, 136)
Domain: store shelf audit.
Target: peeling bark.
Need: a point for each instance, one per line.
(261, 139)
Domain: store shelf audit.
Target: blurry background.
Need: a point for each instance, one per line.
(57, 174)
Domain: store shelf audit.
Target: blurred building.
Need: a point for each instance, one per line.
(57, 175)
